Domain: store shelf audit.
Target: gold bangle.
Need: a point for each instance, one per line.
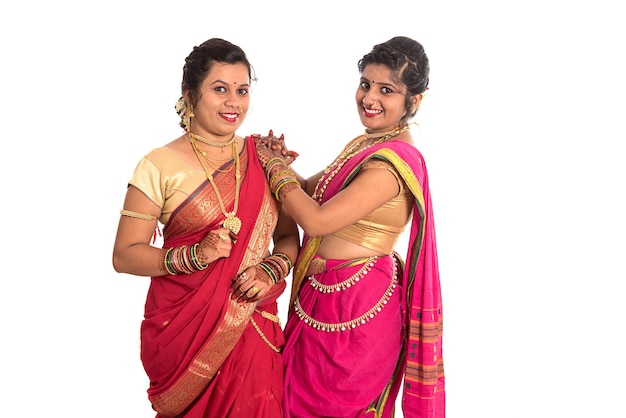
(280, 186)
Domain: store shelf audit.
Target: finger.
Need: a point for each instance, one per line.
(238, 292)
(252, 292)
(249, 294)
(241, 278)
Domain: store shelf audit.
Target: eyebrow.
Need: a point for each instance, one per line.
(379, 82)
(227, 83)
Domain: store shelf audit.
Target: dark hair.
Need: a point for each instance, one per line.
(201, 59)
(408, 63)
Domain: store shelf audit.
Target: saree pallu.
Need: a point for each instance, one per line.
(199, 348)
(418, 361)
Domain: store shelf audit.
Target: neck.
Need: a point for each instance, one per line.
(393, 132)
(212, 142)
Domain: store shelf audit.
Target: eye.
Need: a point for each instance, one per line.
(386, 90)
(364, 85)
(243, 92)
(220, 89)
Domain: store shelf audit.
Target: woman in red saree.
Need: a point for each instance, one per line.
(363, 318)
(210, 339)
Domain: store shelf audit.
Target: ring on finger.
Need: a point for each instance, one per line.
(223, 236)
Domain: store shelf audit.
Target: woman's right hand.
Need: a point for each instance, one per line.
(216, 244)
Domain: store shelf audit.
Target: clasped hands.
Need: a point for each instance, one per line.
(270, 146)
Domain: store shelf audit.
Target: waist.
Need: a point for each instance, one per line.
(339, 248)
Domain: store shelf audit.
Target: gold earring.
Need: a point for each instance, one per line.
(188, 115)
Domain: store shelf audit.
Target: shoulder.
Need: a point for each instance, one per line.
(160, 152)
(405, 157)
(401, 150)
(159, 157)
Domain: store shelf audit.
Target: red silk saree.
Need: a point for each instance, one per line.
(201, 350)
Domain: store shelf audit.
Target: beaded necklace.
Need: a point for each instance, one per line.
(231, 222)
(353, 148)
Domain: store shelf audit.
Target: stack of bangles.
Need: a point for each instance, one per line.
(276, 266)
(279, 175)
(183, 259)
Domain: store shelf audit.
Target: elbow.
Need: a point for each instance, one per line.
(315, 230)
(117, 264)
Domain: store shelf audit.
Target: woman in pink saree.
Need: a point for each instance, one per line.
(210, 341)
(363, 319)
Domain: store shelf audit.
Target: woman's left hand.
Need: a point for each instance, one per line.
(250, 286)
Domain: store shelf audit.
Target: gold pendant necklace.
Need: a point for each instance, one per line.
(231, 222)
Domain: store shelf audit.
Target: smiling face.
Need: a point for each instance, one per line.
(224, 99)
(380, 99)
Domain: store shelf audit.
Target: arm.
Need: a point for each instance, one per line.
(308, 185)
(370, 189)
(132, 252)
(286, 236)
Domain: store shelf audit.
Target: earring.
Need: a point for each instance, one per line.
(188, 115)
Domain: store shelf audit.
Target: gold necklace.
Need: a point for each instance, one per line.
(353, 148)
(231, 221)
(209, 160)
(212, 142)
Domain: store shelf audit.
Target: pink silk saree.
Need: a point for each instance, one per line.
(359, 372)
(203, 356)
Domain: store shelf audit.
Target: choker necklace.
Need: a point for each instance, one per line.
(212, 142)
(231, 222)
(211, 161)
(394, 132)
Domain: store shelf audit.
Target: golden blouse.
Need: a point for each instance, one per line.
(166, 179)
(381, 228)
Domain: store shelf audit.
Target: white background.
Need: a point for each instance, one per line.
(522, 131)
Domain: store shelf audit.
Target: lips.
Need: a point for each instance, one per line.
(371, 112)
(231, 117)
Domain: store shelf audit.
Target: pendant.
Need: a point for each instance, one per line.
(232, 222)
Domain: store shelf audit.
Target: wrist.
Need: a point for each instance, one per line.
(184, 259)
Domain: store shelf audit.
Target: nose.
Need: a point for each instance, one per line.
(370, 99)
(233, 101)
